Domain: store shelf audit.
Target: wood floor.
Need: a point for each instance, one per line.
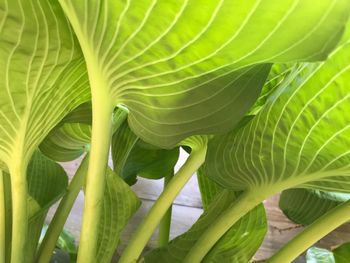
(186, 210)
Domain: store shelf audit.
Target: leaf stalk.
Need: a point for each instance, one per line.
(312, 233)
(244, 203)
(57, 223)
(160, 207)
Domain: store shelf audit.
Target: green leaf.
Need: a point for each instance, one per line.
(43, 76)
(299, 138)
(119, 204)
(132, 157)
(47, 182)
(172, 71)
(238, 245)
(278, 74)
(65, 243)
(123, 141)
(319, 255)
(67, 142)
(150, 163)
(208, 188)
(304, 206)
(342, 253)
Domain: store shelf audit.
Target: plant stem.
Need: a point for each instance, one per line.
(19, 211)
(245, 202)
(57, 223)
(2, 219)
(95, 180)
(312, 233)
(160, 207)
(164, 226)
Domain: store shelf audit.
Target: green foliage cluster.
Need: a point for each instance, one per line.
(256, 91)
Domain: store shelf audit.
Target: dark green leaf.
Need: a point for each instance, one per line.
(304, 206)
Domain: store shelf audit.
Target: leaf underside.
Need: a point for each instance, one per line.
(298, 138)
(180, 76)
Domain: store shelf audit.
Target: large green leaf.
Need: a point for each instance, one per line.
(42, 76)
(119, 204)
(238, 245)
(299, 138)
(47, 182)
(304, 206)
(180, 76)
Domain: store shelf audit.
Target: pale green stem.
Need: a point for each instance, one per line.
(19, 211)
(246, 202)
(312, 233)
(57, 223)
(2, 220)
(160, 207)
(165, 223)
(95, 180)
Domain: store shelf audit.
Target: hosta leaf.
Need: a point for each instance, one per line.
(47, 182)
(226, 248)
(278, 74)
(67, 142)
(123, 141)
(342, 253)
(43, 75)
(237, 245)
(71, 137)
(180, 76)
(299, 138)
(304, 206)
(119, 204)
(208, 188)
(132, 157)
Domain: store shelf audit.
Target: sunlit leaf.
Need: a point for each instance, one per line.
(181, 76)
(299, 138)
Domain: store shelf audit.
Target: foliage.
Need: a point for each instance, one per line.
(256, 91)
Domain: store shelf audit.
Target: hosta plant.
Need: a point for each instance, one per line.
(256, 91)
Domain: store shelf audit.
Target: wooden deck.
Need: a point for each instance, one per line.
(187, 208)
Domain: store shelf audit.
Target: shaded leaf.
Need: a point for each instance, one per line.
(237, 245)
(304, 206)
(119, 204)
(342, 253)
(47, 182)
(132, 157)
